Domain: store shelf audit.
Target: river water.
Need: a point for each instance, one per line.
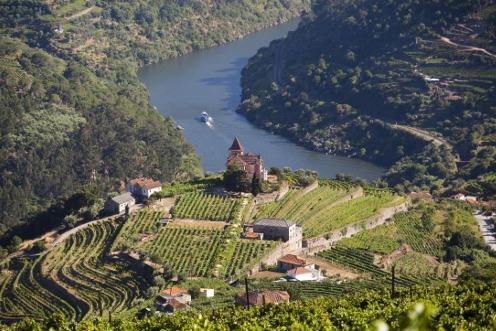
(209, 81)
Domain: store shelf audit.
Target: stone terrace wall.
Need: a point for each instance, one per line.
(271, 258)
(317, 244)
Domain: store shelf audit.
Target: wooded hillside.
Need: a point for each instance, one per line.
(356, 71)
(73, 110)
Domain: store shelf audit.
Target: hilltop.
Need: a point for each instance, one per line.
(380, 81)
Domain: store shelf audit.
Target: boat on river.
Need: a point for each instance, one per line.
(204, 117)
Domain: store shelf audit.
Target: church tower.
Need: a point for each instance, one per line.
(236, 148)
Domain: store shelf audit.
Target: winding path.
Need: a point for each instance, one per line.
(81, 13)
(486, 227)
(66, 234)
(466, 47)
(424, 134)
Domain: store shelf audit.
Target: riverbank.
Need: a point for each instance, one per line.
(209, 80)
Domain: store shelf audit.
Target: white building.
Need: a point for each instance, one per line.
(304, 273)
(207, 292)
(143, 187)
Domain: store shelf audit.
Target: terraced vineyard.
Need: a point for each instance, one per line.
(407, 228)
(298, 206)
(420, 239)
(190, 249)
(382, 240)
(363, 262)
(332, 287)
(246, 253)
(205, 206)
(332, 205)
(76, 279)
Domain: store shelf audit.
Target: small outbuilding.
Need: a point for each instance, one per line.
(290, 261)
(207, 292)
(117, 205)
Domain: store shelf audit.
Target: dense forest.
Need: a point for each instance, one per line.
(73, 112)
(361, 78)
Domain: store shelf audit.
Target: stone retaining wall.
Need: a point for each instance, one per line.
(322, 242)
(271, 258)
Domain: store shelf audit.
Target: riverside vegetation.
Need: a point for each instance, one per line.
(380, 81)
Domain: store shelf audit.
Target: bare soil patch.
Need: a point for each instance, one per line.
(203, 224)
(268, 274)
(330, 268)
(143, 237)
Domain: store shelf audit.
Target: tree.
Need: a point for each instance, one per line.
(39, 246)
(70, 221)
(427, 222)
(182, 277)
(15, 242)
(255, 185)
(236, 180)
(195, 292)
(159, 281)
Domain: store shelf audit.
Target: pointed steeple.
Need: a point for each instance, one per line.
(236, 148)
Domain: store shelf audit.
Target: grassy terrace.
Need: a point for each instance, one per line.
(330, 206)
(204, 206)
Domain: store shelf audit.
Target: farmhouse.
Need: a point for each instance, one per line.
(176, 293)
(251, 163)
(261, 298)
(173, 299)
(143, 187)
(304, 273)
(175, 305)
(290, 261)
(117, 205)
(278, 229)
(463, 197)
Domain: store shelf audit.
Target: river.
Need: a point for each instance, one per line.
(209, 81)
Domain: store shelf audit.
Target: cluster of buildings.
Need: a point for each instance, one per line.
(297, 268)
(136, 190)
(174, 299)
(251, 163)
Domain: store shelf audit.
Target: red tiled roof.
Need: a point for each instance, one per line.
(292, 259)
(299, 271)
(176, 304)
(236, 145)
(145, 182)
(245, 159)
(251, 235)
(459, 195)
(173, 291)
